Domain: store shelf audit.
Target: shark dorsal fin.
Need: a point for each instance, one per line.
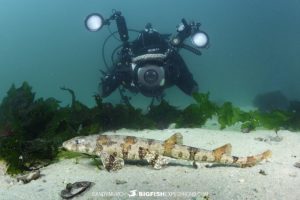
(175, 139)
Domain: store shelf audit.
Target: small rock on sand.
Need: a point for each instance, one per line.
(297, 164)
(119, 182)
(29, 177)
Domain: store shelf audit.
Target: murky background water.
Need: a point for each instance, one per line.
(254, 46)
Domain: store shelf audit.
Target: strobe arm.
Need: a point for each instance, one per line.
(184, 30)
(121, 25)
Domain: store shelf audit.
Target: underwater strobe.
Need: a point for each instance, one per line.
(198, 37)
(94, 22)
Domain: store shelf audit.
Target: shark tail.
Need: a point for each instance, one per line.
(250, 161)
(242, 162)
(222, 155)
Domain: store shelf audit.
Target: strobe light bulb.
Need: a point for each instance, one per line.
(200, 39)
(94, 22)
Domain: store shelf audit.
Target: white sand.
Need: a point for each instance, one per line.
(281, 182)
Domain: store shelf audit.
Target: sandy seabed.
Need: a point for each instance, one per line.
(276, 178)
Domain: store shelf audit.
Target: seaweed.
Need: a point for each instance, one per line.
(40, 113)
(123, 116)
(274, 120)
(25, 118)
(195, 115)
(23, 155)
(10, 151)
(16, 102)
(163, 114)
(32, 130)
(207, 107)
(78, 113)
(38, 149)
(15, 108)
(24, 115)
(248, 126)
(191, 116)
(228, 115)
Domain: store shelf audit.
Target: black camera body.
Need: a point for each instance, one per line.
(147, 60)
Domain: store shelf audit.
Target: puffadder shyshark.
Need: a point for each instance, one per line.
(114, 149)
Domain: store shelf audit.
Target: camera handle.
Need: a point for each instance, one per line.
(121, 25)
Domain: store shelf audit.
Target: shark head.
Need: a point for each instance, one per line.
(81, 144)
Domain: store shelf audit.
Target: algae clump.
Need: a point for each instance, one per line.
(195, 115)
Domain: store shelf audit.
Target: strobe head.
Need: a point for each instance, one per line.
(94, 22)
(200, 39)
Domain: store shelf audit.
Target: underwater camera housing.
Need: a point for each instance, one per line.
(147, 66)
(149, 74)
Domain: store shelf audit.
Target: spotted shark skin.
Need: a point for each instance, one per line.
(114, 149)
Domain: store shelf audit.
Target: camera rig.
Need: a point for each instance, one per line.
(149, 77)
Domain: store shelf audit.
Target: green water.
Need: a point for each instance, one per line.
(254, 46)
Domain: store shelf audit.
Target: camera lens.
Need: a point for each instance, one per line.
(151, 76)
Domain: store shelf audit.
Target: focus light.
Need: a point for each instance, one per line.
(200, 39)
(175, 41)
(94, 22)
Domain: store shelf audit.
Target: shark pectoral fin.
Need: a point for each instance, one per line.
(225, 149)
(176, 138)
(155, 160)
(111, 162)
